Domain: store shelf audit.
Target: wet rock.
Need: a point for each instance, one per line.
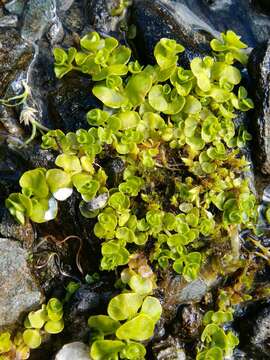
(188, 322)
(9, 21)
(259, 68)
(88, 300)
(64, 5)
(56, 33)
(74, 19)
(169, 349)
(76, 350)
(114, 168)
(70, 102)
(156, 19)
(11, 167)
(251, 322)
(19, 292)
(99, 16)
(261, 338)
(263, 4)
(8, 118)
(15, 6)
(15, 56)
(176, 292)
(9, 228)
(244, 17)
(37, 16)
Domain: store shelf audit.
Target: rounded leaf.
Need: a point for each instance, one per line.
(106, 349)
(103, 323)
(123, 306)
(140, 328)
(32, 338)
(152, 307)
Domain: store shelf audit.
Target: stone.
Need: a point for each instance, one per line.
(37, 16)
(8, 21)
(64, 5)
(70, 102)
(169, 349)
(75, 350)
(15, 6)
(157, 19)
(259, 69)
(261, 331)
(15, 57)
(19, 292)
(88, 300)
(9, 228)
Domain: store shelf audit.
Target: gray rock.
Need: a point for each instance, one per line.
(38, 16)
(76, 350)
(64, 5)
(9, 21)
(262, 332)
(259, 68)
(19, 292)
(15, 6)
(15, 57)
(193, 291)
(169, 349)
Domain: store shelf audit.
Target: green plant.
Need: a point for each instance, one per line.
(182, 191)
(131, 318)
(49, 318)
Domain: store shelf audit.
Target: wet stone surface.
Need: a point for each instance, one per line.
(19, 292)
(15, 56)
(259, 68)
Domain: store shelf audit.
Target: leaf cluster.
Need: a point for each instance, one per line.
(131, 319)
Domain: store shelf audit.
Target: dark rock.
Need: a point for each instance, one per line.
(259, 69)
(19, 292)
(15, 57)
(241, 16)
(263, 4)
(155, 20)
(261, 338)
(99, 16)
(252, 325)
(70, 102)
(114, 168)
(12, 165)
(188, 322)
(88, 300)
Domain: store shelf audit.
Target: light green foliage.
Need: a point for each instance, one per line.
(159, 115)
(131, 318)
(218, 343)
(5, 342)
(46, 319)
